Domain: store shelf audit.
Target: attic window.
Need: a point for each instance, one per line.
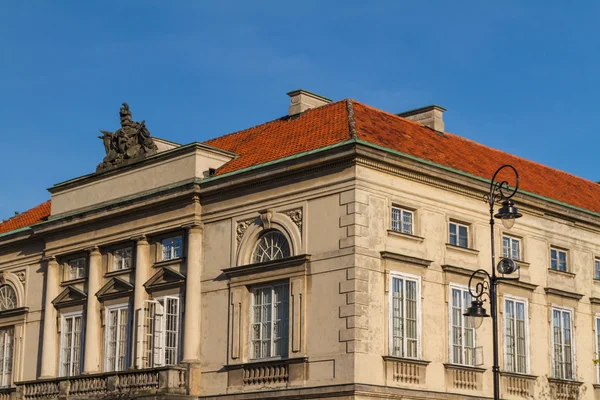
(212, 171)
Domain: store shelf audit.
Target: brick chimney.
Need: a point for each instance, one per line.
(431, 116)
(302, 100)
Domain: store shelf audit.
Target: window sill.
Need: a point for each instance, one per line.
(73, 281)
(406, 360)
(563, 273)
(279, 265)
(518, 375)
(405, 235)
(118, 272)
(164, 263)
(464, 367)
(463, 249)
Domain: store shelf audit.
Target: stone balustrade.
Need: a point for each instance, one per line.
(130, 384)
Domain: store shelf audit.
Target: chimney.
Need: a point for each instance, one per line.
(302, 100)
(431, 116)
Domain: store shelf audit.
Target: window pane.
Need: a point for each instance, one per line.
(453, 237)
(553, 259)
(505, 246)
(397, 317)
(516, 251)
(269, 335)
(597, 269)
(407, 218)
(396, 219)
(462, 236)
(509, 313)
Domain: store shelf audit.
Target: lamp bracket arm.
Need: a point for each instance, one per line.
(500, 191)
(481, 288)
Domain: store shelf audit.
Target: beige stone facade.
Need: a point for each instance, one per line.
(150, 280)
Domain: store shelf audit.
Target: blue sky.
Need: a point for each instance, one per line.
(515, 75)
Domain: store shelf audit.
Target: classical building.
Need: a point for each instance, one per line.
(325, 254)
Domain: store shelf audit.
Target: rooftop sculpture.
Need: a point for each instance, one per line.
(129, 143)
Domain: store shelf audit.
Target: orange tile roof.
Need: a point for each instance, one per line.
(332, 124)
(32, 216)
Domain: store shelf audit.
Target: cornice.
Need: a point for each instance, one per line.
(406, 259)
(563, 293)
(266, 266)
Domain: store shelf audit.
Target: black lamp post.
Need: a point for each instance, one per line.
(499, 192)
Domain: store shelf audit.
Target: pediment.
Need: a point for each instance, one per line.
(115, 287)
(70, 296)
(164, 277)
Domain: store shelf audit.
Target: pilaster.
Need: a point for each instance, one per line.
(49, 350)
(91, 358)
(142, 254)
(193, 295)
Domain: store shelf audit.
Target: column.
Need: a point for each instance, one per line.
(93, 342)
(142, 264)
(193, 301)
(50, 341)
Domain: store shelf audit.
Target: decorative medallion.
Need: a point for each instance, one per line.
(21, 275)
(296, 217)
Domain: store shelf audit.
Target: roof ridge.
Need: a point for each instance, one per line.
(392, 114)
(351, 120)
(283, 118)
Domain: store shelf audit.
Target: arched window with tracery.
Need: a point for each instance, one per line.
(8, 298)
(271, 245)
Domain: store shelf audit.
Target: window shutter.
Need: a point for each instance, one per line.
(146, 332)
(159, 335)
(171, 330)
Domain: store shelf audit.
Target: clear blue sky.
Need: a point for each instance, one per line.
(521, 76)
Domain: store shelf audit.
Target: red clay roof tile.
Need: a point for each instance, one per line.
(329, 125)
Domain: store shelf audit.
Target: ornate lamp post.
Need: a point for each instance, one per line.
(499, 192)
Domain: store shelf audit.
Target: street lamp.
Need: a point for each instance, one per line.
(499, 192)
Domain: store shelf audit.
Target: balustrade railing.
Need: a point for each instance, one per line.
(171, 380)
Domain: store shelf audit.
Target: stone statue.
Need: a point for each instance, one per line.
(130, 142)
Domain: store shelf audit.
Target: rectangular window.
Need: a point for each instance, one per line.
(462, 329)
(70, 345)
(515, 337)
(405, 312)
(6, 356)
(161, 332)
(270, 315)
(562, 340)
(598, 349)
(511, 247)
(122, 259)
(558, 259)
(116, 338)
(172, 248)
(459, 234)
(402, 220)
(76, 268)
(597, 269)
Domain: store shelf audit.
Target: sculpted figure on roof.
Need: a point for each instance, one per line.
(130, 142)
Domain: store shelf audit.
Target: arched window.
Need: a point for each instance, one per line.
(272, 245)
(8, 298)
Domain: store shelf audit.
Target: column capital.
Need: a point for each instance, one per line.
(193, 226)
(93, 250)
(49, 259)
(140, 239)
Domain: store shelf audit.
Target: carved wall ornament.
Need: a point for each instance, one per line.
(265, 218)
(21, 275)
(296, 217)
(129, 143)
(3, 276)
(241, 228)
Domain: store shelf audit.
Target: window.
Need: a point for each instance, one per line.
(6, 356)
(270, 314)
(404, 316)
(70, 345)
(515, 337)
(160, 333)
(116, 338)
(122, 259)
(459, 234)
(402, 220)
(8, 298)
(596, 269)
(172, 248)
(558, 259)
(511, 247)
(76, 268)
(598, 348)
(462, 329)
(272, 245)
(562, 341)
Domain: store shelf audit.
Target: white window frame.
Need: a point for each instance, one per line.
(172, 255)
(71, 371)
(9, 337)
(563, 309)
(458, 225)
(70, 267)
(597, 268)
(253, 291)
(463, 289)
(404, 277)
(512, 239)
(108, 309)
(525, 302)
(597, 335)
(116, 262)
(158, 336)
(559, 250)
(400, 222)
